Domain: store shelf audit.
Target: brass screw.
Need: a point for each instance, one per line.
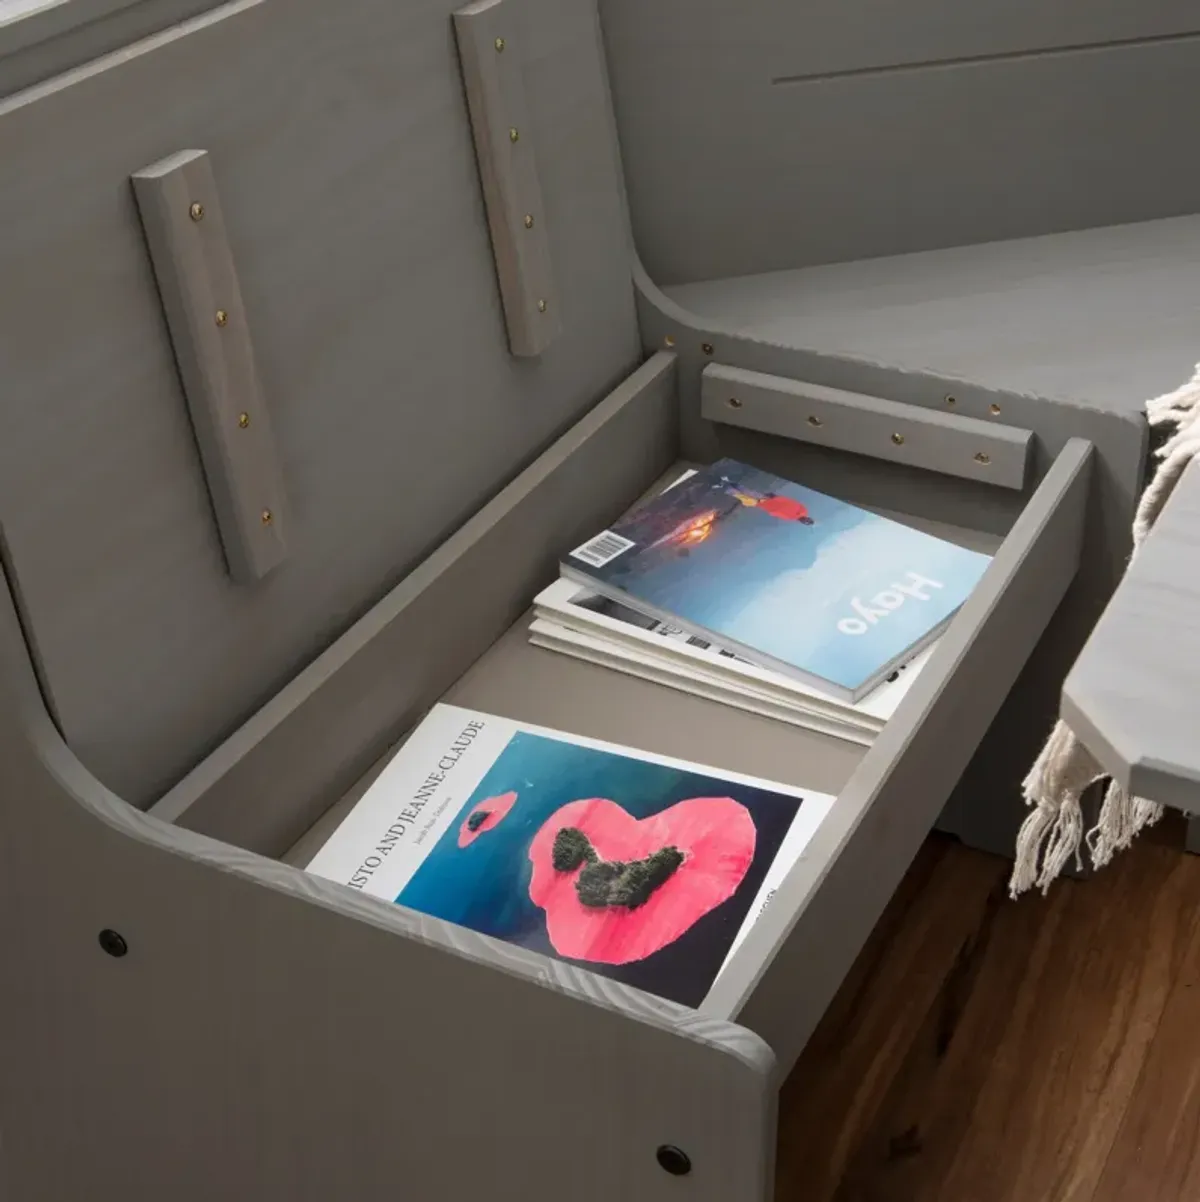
(267, 517)
(735, 402)
(898, 439)
(222, 317)
(951, 401)
(514, 134)
(529, 221)
(499, 45)
(982, 457)
(994, 408)
(669, 340)
(541, 306)
(814, 420)
(196, 212)
(243, 420)
(707, 347)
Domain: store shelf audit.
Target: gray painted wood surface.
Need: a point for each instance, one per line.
(888, 798)
(352, 189)
(24, 22)
(759, 135)
(14, 10)
(1130, 695)
(987, 808)
(271, 1035)
(783, 976)
(960, 691)
(43, 38)
(1100, 318)
(990, 452)
(268, 782)
(492, 46)
(352, 203)
(180, 209)
(526, 683)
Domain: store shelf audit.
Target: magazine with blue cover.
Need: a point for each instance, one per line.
(788, 577)
(642, 868)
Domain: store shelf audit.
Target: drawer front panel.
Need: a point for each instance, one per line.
(792, 962)
(866, 425)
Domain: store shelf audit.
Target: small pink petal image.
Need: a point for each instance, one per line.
(484, 816)
(617, 889)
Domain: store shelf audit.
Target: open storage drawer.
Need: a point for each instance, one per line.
(334, 1000)
(889, 796)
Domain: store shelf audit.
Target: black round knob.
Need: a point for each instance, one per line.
(113, 943)
(674, 1160)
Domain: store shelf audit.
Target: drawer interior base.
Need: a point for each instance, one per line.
(888, 796)
(517, 680)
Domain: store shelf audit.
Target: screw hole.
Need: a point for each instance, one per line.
(898, 439)
(735, 402)
(196, 211)
(669, 340)
(982, 457)
(951, 401)
(814, 420)
(113, 943)
(674, 1160)
(994, 408)
(707, 347)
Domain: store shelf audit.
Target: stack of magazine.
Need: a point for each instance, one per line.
(738, 586)
(651, 871)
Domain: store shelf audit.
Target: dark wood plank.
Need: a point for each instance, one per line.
(1029, 1091)
(842, 1079)
(1157, 1150)
(1000, 1052)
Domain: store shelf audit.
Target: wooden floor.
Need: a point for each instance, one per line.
(985, 1050)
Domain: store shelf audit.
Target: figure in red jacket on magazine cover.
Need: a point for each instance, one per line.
(784, 508)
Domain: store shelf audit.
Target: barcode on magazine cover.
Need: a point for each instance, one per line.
(604, 548)
(693, 641)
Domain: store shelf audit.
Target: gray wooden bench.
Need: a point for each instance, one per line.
(325, 331)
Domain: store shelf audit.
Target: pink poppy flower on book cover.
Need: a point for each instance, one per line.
(638, 867)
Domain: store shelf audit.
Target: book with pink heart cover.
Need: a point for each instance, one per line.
(639, 867)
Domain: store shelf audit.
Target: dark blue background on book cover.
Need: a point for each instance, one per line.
(485, 885)
(781, 587)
